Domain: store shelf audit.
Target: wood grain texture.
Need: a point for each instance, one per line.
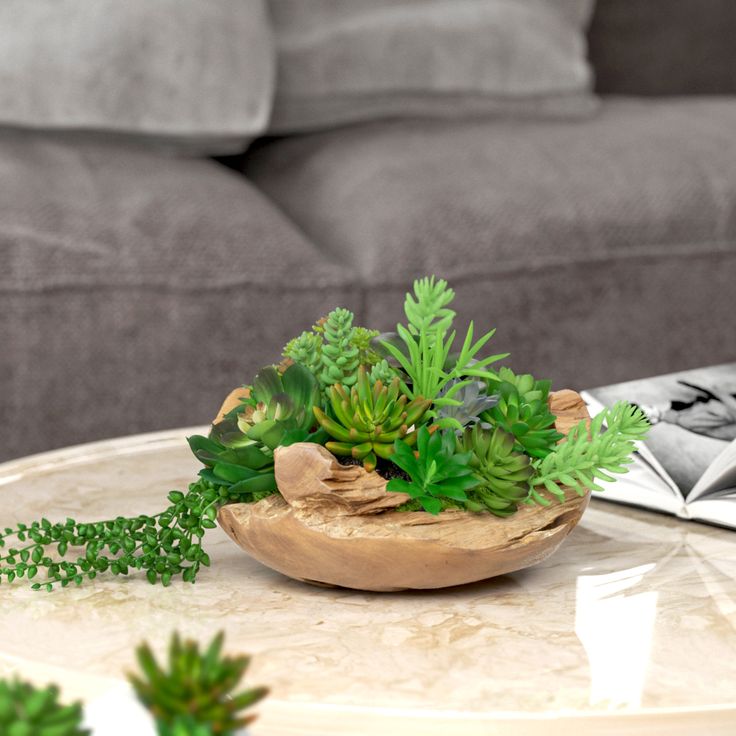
(333, 525)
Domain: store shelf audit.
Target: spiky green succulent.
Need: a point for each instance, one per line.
(503, 471)
(26, 710)
(195, 695)
(424, 349)
(368, 420)
(435, 475)
(523, 411)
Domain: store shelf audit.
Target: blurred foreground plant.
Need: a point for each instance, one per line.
(195, 695)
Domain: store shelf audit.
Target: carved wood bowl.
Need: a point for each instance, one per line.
(334, 525)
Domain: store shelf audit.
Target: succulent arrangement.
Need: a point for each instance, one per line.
(425, 406)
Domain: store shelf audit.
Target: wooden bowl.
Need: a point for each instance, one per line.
(334, 525)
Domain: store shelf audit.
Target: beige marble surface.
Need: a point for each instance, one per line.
(630, 625)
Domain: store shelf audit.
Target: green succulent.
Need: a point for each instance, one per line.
(523, 411)
(383, 372)
(340, 358)
(306, 349)
(238, 454)
(427, 309)
(195, 695)
(362, 339)
(423, 349)
(368, 420)
(29, 711)
(279, 409)
(334, 349)
(435, 475)
(504, 472)
(590, 454)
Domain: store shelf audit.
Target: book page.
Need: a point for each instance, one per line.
(693, 415)
(720, 510)
(642, 486)
(720, 475)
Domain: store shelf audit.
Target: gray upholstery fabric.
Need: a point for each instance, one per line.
(348, 60)
(193, 74)
(136, 290)
(664, 47)
(603, 250)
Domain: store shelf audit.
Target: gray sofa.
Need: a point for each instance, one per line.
(136, 289)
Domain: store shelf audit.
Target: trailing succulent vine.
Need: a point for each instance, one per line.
(457, 432)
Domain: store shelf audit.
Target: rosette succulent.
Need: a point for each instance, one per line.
(470, 401)
(279, 409)
(238, 453)
(504, 473)
(368, 420)
(523, 411)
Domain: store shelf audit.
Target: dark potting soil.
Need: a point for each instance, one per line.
(385, 468)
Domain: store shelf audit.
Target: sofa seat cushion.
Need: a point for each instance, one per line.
(137, 290)
(610, 241)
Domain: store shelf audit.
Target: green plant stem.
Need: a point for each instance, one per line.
(165, 545)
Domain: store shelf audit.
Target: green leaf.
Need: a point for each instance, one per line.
(267, 384)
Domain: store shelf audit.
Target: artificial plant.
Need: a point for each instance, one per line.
(487, 442)
(436, 478)
(432, 370)
(369, 419)
(26, 710)
(195, 695)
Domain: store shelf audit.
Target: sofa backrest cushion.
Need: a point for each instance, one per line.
(664, 47)
(195, 74)
(351, 60)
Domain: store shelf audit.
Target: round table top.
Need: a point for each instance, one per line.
(631, 624)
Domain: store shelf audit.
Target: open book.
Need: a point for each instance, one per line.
(687, 466)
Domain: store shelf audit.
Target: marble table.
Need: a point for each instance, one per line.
(629, 628)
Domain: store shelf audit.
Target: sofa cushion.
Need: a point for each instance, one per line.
(664, 47)
(184, 73)
(604, 249)
(346, 60)
(137, 290)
